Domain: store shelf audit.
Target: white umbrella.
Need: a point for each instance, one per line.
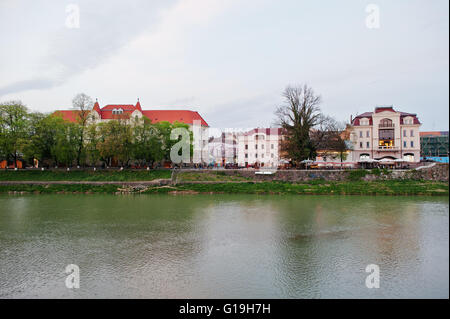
(385, 160)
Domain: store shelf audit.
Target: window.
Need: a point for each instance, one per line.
(360, 134)
(271, 155)
(412, 132)
(256, 155)
(404, 144)
(386, 123)
(246, 155)
(368, 144)
(412, 143)
(363, 157)
(386, 134)
(246, 146)
(262, 155)
(256, 146)
(368, 134)
(409, 157)
(360, 145)
(271, 146)
(404, 133)
(262, 146)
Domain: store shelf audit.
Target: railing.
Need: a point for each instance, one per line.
(388, 148)
(386, 125)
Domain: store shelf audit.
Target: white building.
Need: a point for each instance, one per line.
(223, 149)
(385, 134)
(259, 147)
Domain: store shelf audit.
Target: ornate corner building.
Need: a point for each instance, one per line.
(385, 133)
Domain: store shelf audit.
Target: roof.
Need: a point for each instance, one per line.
(68, 115)
(379, 109)
(267, 131)
(182, 116)
(434, 133)
(156, 116)
(125, 107)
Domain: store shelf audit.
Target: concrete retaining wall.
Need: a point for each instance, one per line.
(438, 172)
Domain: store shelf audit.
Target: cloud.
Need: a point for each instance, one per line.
(59, 52)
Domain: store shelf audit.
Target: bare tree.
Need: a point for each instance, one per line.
(83, 104)
(297, 117)
(330, 138)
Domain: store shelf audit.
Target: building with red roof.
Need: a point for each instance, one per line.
(130, 111)
(385, 134)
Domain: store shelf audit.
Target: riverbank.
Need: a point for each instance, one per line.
(388, 187)
(79, 175)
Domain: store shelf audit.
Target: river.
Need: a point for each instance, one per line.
(223, 246)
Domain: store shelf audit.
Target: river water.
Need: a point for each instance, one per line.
(223, 246)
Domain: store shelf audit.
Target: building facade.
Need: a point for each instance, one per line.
(385, 134)
(434, 145)
(259, 148)
(130, 112)
(223, 149)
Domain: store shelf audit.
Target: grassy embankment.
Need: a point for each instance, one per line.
(240, 185)
(84, 175)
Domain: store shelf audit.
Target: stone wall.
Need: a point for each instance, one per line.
(437, 172)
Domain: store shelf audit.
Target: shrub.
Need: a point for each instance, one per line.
(375, 171)
(356, 175)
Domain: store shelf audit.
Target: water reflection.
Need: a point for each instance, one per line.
(223, 246)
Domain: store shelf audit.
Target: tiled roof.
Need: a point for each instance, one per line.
(182, 116)
(356, 120)
(156, 116)
(97, 107)
(68, 115)
(125, 107)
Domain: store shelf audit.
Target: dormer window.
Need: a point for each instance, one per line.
(117, 111)
(364, 121)
(408, 120)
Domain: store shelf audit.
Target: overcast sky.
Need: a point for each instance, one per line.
(228, 59)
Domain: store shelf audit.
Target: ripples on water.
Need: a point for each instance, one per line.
(223, 246)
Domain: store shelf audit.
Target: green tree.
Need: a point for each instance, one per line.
(147, 144)
(91, 144)
(14, 129)
(44, 130)
(83, 105)
(115, 142)
(66, 147)
(165, 128)
(299, 115)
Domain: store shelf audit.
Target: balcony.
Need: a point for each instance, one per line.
(387, 148)
(386, 125)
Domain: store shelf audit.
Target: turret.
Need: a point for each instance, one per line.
(96, 106)
(138, 106)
